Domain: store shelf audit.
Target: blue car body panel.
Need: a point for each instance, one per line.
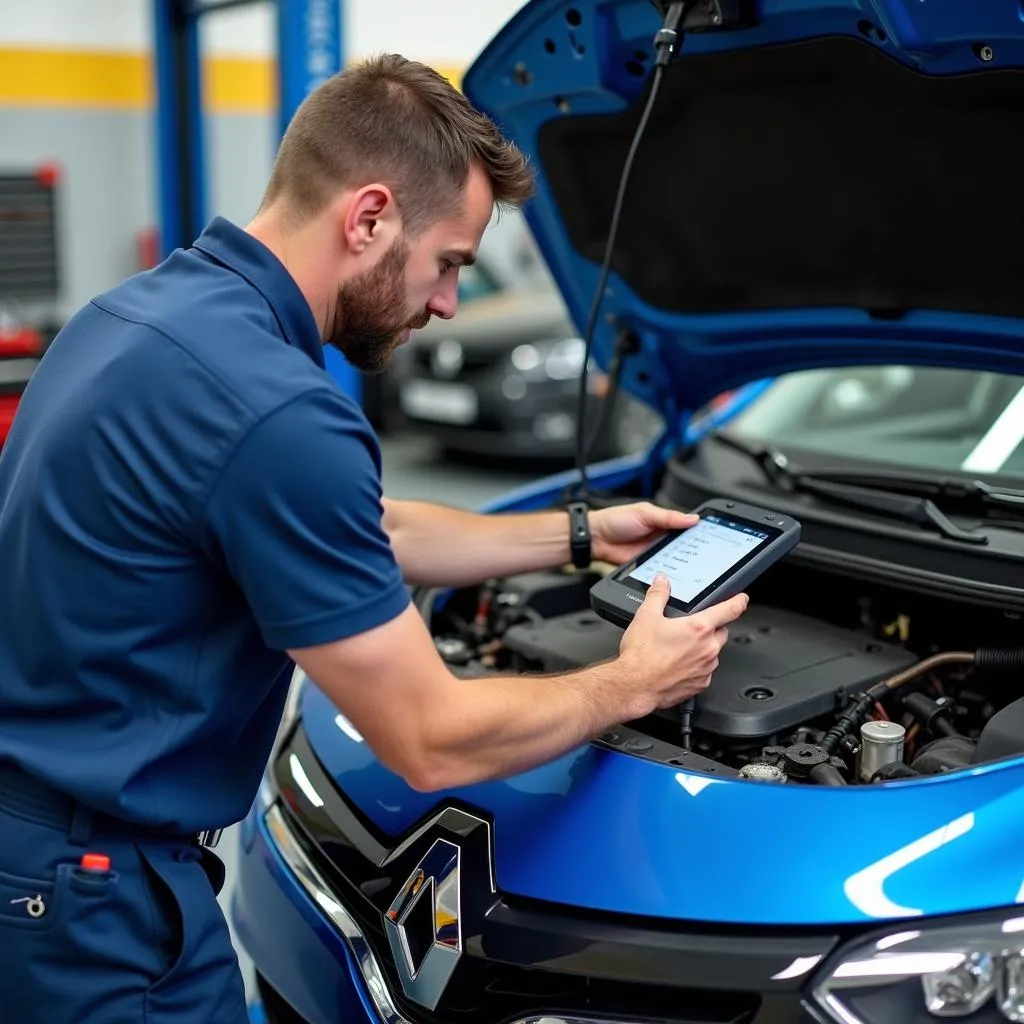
(689, 359)
(608, 831)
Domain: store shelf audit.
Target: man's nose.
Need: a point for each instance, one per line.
(445, 301)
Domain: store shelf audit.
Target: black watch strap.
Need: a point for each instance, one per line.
(579, 534)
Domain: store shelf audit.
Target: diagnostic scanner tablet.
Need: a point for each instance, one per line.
(719, 557)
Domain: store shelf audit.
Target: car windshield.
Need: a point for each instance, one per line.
(922, 419)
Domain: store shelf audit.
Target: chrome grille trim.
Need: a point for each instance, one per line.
(321, 894)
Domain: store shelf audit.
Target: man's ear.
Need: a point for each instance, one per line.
(372, 216)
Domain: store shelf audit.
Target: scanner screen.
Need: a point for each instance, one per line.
(700, 556)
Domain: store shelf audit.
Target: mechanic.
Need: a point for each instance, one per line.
(189, 505)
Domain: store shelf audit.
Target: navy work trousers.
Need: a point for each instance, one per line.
(144, 943)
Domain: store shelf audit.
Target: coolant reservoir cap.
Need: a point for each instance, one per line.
(882, 732)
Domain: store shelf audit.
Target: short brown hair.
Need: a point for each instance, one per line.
(399, 122)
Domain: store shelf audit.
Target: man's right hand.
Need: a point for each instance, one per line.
(668, 660)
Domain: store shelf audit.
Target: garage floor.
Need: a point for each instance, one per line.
(412, 469)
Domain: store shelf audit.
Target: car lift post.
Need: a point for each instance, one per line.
(309, 50)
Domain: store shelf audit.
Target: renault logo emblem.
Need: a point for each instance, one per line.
(424, 925)
(447, 359)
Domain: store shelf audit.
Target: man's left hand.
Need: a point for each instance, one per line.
(619, 534)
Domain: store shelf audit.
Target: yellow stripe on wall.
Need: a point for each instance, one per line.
(73, 79)
(69, 78)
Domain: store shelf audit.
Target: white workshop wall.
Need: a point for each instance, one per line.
(443, 31)
(447, 33)
(76, 87)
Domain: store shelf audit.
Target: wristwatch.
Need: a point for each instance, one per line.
(579, 534)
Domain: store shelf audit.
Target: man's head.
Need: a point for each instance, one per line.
(383, 185)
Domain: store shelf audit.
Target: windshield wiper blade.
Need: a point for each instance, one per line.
(772, 462)
(917, 509)
(976, 494)
(922, 511)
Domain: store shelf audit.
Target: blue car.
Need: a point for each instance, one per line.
(820, 221)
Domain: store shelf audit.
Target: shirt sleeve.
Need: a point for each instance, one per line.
(296, 518)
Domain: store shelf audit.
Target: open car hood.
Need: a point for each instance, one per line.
(822, 182)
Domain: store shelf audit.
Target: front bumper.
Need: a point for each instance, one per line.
(306, 913)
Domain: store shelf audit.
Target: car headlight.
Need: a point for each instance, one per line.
(973, 970)
(550, 360)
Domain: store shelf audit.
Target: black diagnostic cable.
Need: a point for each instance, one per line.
(625, 344)
(686, 723)
(666, 43)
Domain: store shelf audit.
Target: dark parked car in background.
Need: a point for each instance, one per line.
(502, 380)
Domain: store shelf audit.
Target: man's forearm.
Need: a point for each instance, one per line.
(438, 546)
(501, 726)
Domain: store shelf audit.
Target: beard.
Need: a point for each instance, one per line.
(371, 313)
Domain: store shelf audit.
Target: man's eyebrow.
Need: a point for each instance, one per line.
(465, 257)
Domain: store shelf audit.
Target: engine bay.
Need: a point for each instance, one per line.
(825, 680)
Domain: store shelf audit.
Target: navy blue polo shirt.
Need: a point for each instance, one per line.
(186, 493)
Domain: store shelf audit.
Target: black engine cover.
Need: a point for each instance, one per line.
(778, 670)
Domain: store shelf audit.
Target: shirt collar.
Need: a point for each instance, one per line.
(251, 259)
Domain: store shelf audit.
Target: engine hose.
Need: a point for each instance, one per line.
(999, 660)
(879, 690)
(848, 721)
(855, 714)
(992, 660)
(826, 775)
(933, 716)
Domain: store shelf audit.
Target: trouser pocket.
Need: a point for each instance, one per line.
(28, 903)
(200, 965)
(73, 949)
